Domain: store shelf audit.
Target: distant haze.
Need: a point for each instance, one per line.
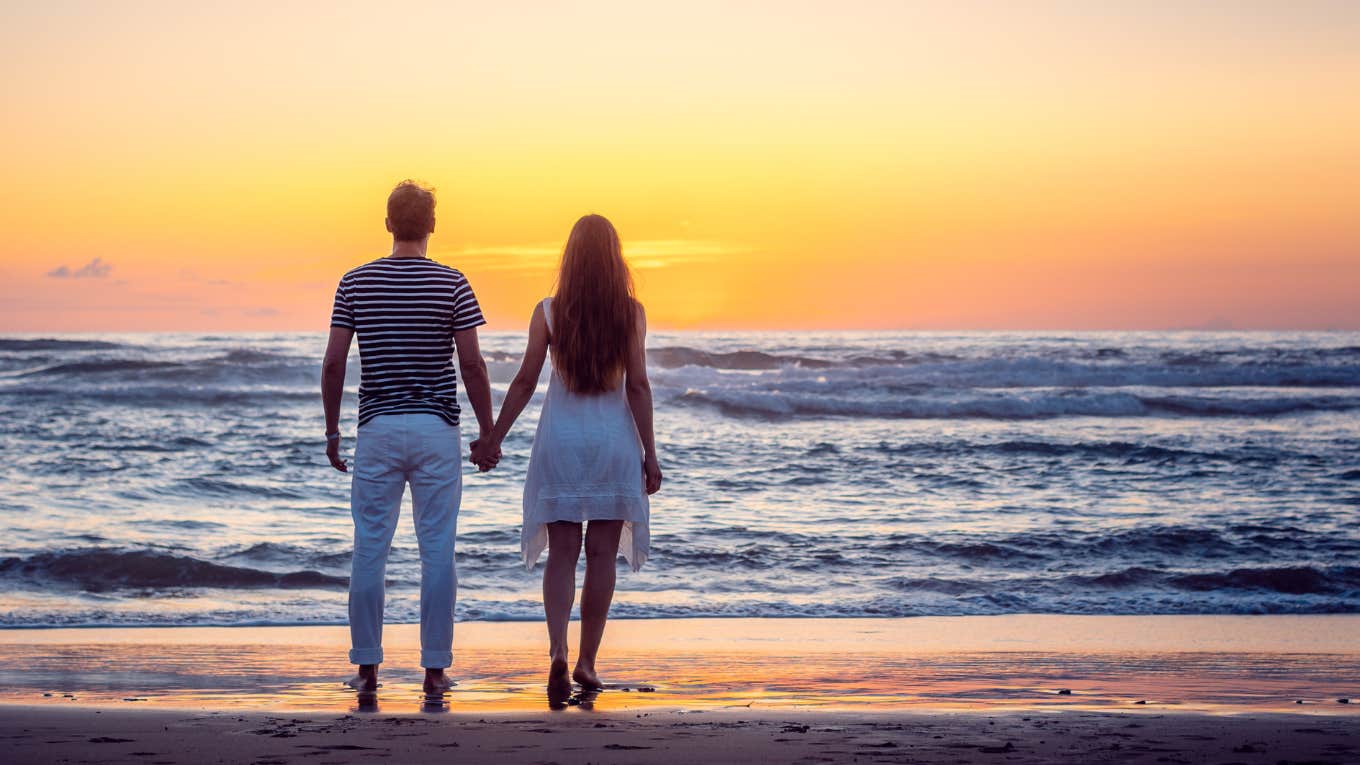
(789, 165)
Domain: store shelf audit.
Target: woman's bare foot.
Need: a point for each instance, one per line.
(365, 680)
(559, 684)
(557, 674)
(437, 682)
(586, 677)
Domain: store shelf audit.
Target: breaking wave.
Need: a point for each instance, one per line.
(103, 569)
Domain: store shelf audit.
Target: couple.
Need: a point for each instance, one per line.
(593, 460)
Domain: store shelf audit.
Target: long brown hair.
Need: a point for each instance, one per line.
(593, 313)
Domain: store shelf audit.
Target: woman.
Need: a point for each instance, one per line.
(593, 461)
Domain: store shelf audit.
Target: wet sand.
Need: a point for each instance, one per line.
(1266, 663)
(1023, 689)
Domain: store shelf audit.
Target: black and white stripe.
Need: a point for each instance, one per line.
(405, 311)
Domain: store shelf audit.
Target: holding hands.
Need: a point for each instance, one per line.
(486, 453)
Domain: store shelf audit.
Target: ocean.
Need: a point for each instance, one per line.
(180, 479)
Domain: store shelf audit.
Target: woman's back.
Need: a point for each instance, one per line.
(586, 463)
(588, 415)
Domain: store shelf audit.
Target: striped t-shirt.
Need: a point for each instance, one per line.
(405, 311)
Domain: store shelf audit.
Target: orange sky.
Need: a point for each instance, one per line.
(769, 165)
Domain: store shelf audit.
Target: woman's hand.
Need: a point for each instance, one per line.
(486, 453)
(651, 474)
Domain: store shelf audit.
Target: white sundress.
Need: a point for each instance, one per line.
(585, 465)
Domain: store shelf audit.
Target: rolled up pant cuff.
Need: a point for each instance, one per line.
(366, 656)
(436, 659)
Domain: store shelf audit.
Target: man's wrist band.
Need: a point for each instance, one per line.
(332, 436)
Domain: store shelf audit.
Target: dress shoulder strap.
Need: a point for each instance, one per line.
(546, 303)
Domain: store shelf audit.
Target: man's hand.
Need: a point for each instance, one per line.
(333, 454)
(651, 474)
(486, 453)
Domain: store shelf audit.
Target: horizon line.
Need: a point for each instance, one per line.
(790, 330)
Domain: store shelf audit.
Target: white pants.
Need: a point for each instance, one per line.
(393, 450)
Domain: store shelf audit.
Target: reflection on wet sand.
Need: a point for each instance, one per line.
(435, 703)
(563, 696)
(560, 696)
(366, 702)
(491, 681)
(276, 668)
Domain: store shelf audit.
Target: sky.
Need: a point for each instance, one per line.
(769, 165)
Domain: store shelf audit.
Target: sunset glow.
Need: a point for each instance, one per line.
(789, 165)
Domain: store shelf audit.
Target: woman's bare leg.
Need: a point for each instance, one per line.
(602, 547)
(559, 592)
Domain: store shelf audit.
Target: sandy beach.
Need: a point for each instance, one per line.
(1009, 689)
(38, 735)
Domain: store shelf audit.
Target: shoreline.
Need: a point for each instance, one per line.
(6, 628)
(1338, 633)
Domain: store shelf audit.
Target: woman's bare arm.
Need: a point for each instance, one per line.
(639, 392)
(526, 379)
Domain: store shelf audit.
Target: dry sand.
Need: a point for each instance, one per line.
(86, 734)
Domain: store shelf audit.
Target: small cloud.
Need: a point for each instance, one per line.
(95, 269)
(659, 253)
(263, 311)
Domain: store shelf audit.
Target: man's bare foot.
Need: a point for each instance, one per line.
(586, 677)
(437, 682)
(365, 680)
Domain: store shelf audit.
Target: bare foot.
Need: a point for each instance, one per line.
(557, 674)
(559, 684)
(365, 680)
(437, 682)
(586, 677)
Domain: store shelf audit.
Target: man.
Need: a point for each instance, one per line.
(410, 313)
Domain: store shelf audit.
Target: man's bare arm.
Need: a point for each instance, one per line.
(333, 389)
(476, 380)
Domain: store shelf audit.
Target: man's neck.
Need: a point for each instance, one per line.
(409, 249)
